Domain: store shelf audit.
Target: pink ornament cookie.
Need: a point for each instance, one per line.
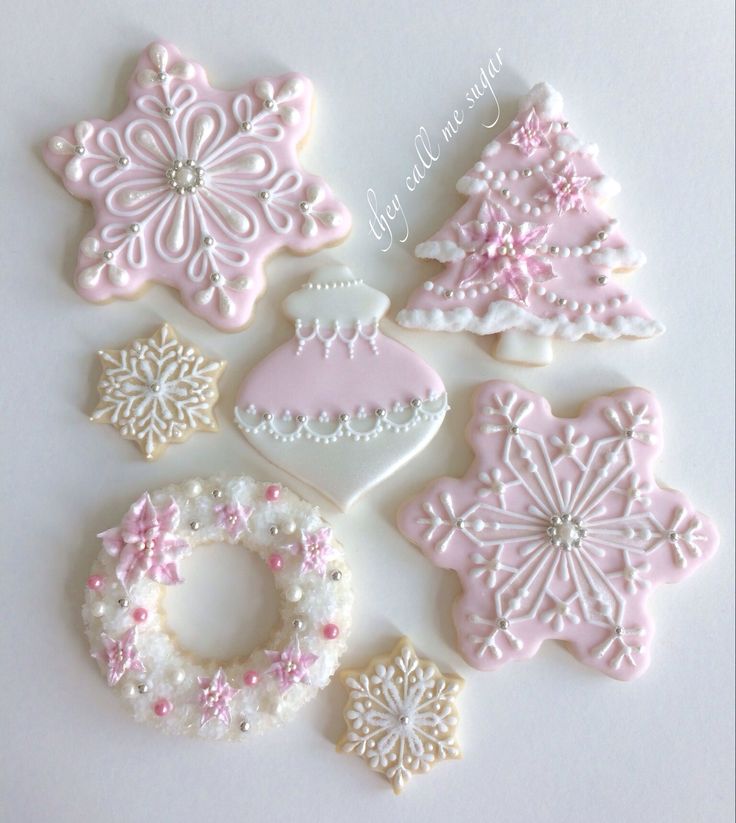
(559, 530)
(195, 187)
(341, 405)
(531, 252)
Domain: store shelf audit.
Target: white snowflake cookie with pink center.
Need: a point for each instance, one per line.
(559, 530)
(530, 254)
(194, 187)
(168, 687)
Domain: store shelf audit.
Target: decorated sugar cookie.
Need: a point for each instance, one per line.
(341, 405)
(157, 391)
(531, 253)
(195, 187)
(559, 530)
(401, 714)
(164, 685)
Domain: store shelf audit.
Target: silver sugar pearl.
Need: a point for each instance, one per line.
(123, 161)
(169, 111)
(554, 249)
(404, 720)
(672, 536)
(304, 206)
(564, 124)
(514, 429)
(336, 575)
(503, 623)
(561, 301)
(246, 125)
(506, 192)
(217, 493)
(142, 688)
(267, 416)
(380, 412)
(416, 403)
(135, 227)
(344, 418)
(123, 602)
(207, 240)
(215, 277)
(448, 293)
(244, 726)
(602, 279)
(628, 433)
(80, 150)
(619, 630)
(602, 235)
(527, 173)
(273, 530)
(300, 418)
(297, 623)
(264, 194)
(107, 254)
(194, 525)
(155, 387)
(162, 76)
(269, 103)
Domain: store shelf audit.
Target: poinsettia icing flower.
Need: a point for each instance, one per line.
(530, 135)
(290, 666)
(120, 655)
(146, 543)
(215, 696)
(234, 517)
(315, 549)
(502, 254)
(565, 190)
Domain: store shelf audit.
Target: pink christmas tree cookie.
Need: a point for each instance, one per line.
(531, 252)
(341, 405)
(559, 530)
(195, 187)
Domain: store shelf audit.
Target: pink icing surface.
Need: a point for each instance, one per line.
(509, 527)
(311, 383)
(210, 241)
(556, 175)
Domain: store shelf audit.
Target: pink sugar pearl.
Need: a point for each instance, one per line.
(276, 562)
(273, 493)
(140, 615)
(161, 708)
(330, 631)
(95, 582)
(250, 678)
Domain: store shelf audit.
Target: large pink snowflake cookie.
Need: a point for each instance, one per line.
(531, 252)
(141, 658)
(195, 187)
(340, 405)
(559, 530)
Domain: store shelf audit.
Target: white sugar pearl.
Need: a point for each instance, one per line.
(293, 594)
(98, 609)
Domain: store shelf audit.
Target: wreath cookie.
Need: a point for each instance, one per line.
(168, 687)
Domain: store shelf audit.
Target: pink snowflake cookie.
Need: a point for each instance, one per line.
(195, 187)
(559, 530)
(530, 254)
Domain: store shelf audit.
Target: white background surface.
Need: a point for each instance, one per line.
(652, 83)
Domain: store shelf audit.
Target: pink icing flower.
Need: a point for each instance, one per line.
(121, 656)
(503, 254)
(233, 517)
(566, 189)
(145, 543)
(315, 549)
(530, 135)
(290, 666)
(215, 697)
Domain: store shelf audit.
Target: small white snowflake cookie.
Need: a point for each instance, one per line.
(158, 390)
(401, 714)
